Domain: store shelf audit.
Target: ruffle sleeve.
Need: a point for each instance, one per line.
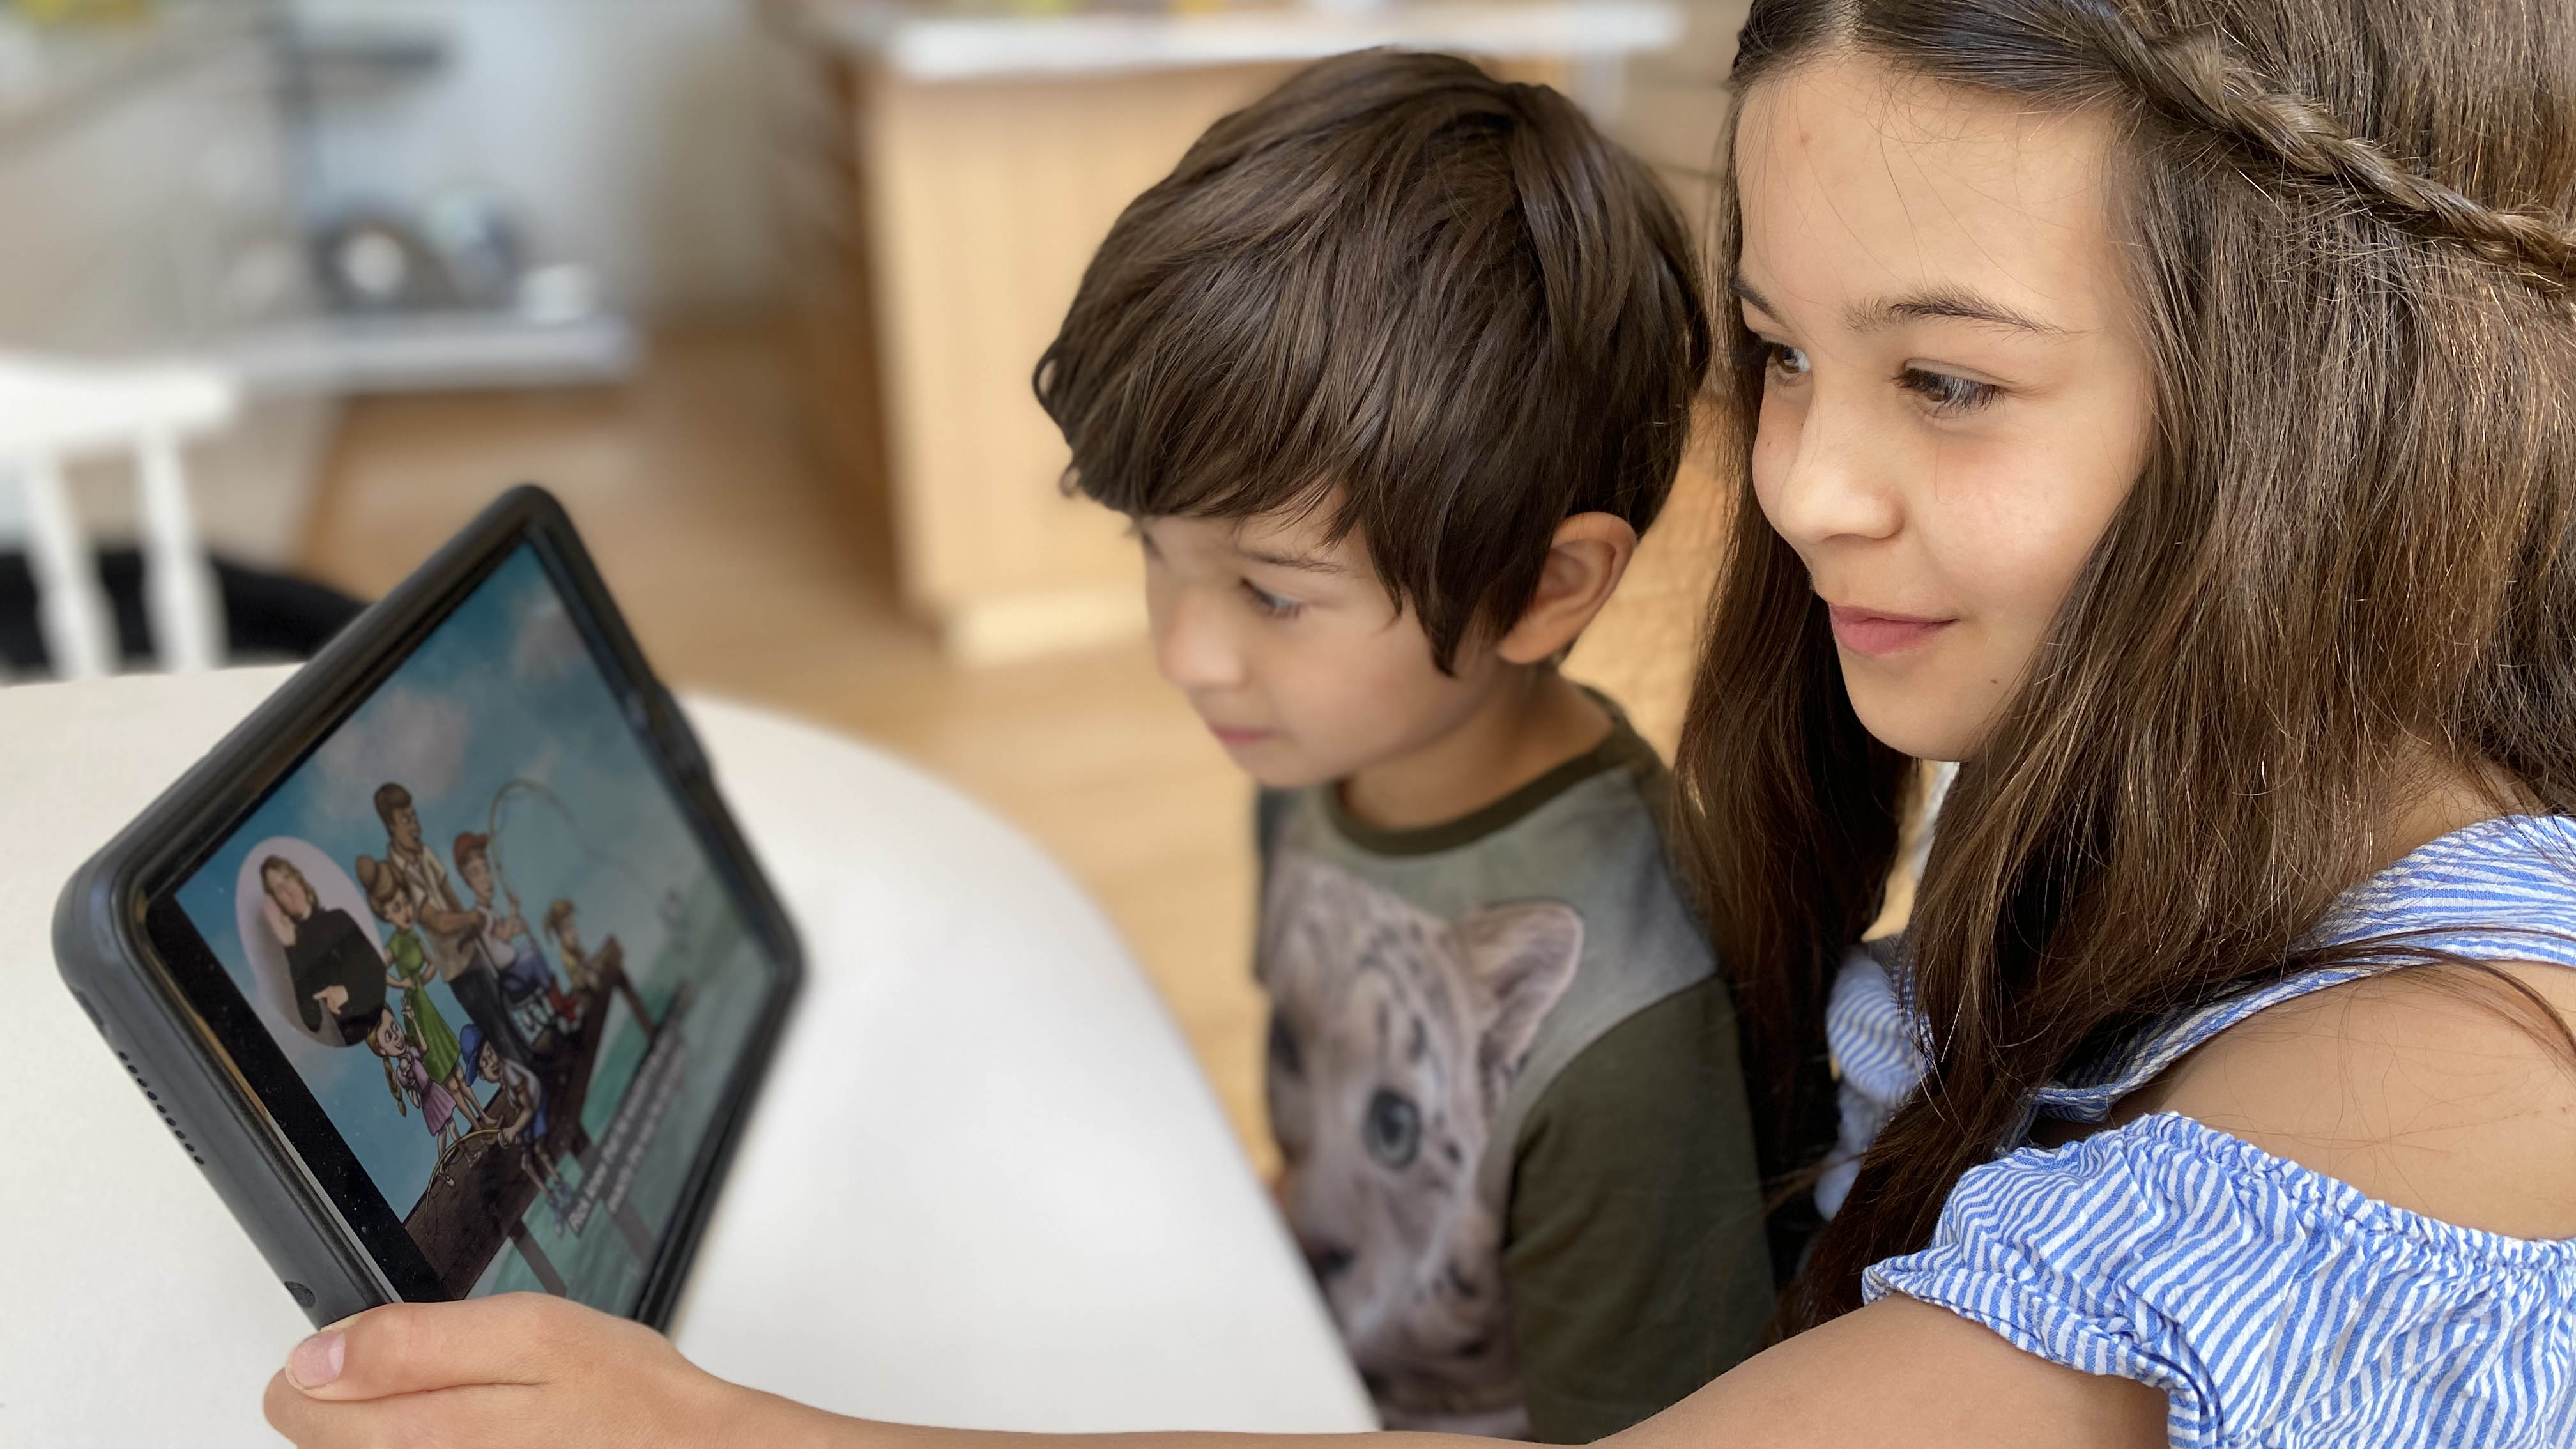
(2275, 1306)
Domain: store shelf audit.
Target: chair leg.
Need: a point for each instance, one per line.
(71, 608)
(179, 592)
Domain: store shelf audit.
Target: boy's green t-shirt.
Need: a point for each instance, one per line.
(1504, 1078)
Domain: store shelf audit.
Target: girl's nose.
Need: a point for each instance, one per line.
(1833, 482)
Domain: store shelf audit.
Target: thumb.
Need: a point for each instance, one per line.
(404, 1348)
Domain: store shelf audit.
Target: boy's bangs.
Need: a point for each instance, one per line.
(1233, 405)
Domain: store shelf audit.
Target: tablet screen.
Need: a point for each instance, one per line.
(482, 933)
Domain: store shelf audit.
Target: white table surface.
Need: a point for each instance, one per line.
(985, 1185)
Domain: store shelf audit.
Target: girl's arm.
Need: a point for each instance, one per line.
(544, 1373)
(2445, 1102)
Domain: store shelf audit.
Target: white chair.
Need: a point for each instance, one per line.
(54, 412)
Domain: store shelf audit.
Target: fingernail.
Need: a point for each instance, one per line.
(316, 1361)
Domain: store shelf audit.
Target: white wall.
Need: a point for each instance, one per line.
(628, 132)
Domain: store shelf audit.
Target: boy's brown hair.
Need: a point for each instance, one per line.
(1440, 303)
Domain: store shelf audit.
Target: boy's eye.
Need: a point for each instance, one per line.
(1945, 393)
(1270, 604)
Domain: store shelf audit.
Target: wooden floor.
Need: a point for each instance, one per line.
(693, 488)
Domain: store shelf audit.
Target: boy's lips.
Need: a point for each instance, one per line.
(1867, 631)
(1232, 736)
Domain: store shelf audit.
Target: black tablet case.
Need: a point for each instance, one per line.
(175, 1054)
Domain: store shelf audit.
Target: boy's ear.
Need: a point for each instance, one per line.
(1585, 561)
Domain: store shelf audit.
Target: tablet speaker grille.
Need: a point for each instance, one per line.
(167, 1120)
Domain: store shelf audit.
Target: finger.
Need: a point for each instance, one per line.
(405, 1348)
(457, 1416)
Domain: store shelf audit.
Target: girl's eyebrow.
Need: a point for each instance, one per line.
(1952, 303)
(1744, 293)
(1956, 304)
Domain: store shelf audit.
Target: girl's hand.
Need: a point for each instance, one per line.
(521, 1369)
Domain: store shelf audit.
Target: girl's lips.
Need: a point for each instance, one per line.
(1877, 635)
(1231, 737)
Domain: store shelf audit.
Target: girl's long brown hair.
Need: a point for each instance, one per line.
(2348, 227)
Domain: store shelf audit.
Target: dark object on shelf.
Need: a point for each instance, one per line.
(266, 615)
(458, 250)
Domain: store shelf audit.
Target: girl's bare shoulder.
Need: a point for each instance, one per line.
(2442, 1090)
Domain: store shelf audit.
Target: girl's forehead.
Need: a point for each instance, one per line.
(1859, 183)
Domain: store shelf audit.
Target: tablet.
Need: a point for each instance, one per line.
(448, 966)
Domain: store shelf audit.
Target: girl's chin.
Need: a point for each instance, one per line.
(1909, 725)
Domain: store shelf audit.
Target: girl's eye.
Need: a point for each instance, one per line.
(1270, 604)
(1784, 361)
(1945, 393)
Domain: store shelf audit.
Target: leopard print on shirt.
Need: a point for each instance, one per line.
(1394, 1036)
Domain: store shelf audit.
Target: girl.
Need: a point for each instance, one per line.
(409, 1079)
(407, 970)
(2169, 410)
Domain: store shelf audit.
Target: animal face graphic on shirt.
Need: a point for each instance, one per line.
(1395, 1034)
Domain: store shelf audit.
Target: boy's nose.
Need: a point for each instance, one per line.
(1194, 650)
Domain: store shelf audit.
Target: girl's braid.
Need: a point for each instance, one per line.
(2196, 79)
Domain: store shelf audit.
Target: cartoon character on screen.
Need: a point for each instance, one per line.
(335, 974)
(558, 926)
(597, 970)
(506, 941)
(567, 933)
(451, 933)
(517, 1112)
(407, 1076)
(409, 972)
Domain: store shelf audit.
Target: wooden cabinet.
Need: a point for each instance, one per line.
(943, 181)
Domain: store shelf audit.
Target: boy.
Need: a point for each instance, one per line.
(1389, 374)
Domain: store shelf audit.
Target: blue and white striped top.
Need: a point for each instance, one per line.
(2274, 1305)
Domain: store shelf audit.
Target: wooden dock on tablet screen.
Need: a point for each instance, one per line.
(479, 1199)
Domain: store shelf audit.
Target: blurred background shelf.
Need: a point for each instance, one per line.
(928, 44)
(462, 351)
